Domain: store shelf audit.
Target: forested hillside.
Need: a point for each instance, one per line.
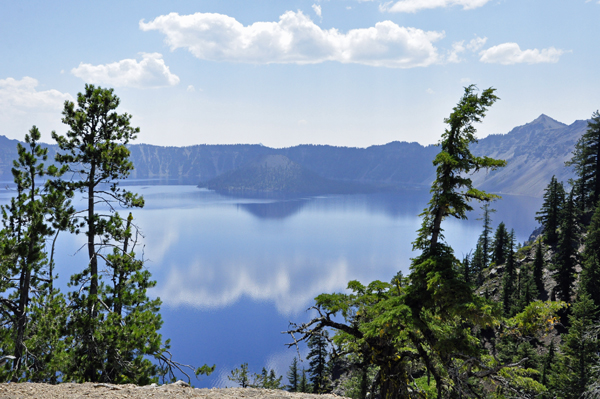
(535, 152)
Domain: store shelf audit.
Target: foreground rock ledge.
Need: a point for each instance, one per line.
(170, 391)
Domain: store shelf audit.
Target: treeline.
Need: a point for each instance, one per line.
(506, 321)
(105, 329)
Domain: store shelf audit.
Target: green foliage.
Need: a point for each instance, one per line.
(590, 273)
(30, 307)
(509, 276)
(550, 214)
(538, 268)
(318, 354)
(586, 161)
(573, 371)
(240, 376)
(431, 324)
(452, 189)
(293, 376)
(501, 244)
(304, 385)
(566, 255)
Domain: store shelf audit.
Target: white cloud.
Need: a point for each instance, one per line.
(317, 10)
(150, 72)
(302, 122)
(457, 48)
(477, 43)
(22, 96)
(417, 5)
(511, 53)
(191, 89)
(429, 91)
(295, 38)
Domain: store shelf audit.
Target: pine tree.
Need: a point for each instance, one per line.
(318, 354)
(500, 246)
(27, 223)
(303, 385)
(293, 376)
(538, 269)
(527, 292)
(586, 160)
(590, 273)
(550, 214)
(567, 252)
(113, 323)
(574, 368)
(240, 376)
(509, 278)
(486, 243)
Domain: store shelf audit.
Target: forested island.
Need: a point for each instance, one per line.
(508, 320)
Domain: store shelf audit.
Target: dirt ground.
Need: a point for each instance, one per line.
(178, 390)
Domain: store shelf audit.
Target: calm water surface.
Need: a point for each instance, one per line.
(232, 273)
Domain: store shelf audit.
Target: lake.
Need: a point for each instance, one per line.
(233, 272)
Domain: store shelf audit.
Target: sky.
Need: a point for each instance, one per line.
(281, 73)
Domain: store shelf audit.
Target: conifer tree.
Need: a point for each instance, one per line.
(573, 371)
(590, 273)
(509, 279)
(27, 223)
(113, 323)
(303, 385)
(566, 255)
(318, 354)
(500, 246)
(550, 214)
(586, 161)
(293, 376)
(527, 292)
(538, 268)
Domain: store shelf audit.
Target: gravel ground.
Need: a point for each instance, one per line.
(178, 390)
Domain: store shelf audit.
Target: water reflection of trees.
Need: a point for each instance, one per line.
(274, 210)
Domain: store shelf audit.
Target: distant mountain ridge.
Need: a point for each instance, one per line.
(534, 152)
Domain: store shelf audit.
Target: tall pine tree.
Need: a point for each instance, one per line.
(586, 161)
(550, 214)
(566, 255)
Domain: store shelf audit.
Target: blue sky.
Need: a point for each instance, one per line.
(282, 73)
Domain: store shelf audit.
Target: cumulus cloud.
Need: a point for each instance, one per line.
(295, 38)
(418, 5)
(317, 10)
(511, 53)
(22, 96)
(150, 72)
(459, 47)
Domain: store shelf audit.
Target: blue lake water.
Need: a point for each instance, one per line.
(232, 272)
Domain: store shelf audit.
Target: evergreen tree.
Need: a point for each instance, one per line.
(27, 222)
(240, 376)
(509, 278)
(586, 160)
(566, 255)
(548, 362)
(538, 269)
(500, 247)
(113, 323)
(486, 242)
(590, 273)
(527, 292)
(574, 369)
(466, 268)
(550, 214)
(293, 376)
(317, 354)
(303, 385)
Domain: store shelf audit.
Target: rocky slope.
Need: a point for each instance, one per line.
(177, 390)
